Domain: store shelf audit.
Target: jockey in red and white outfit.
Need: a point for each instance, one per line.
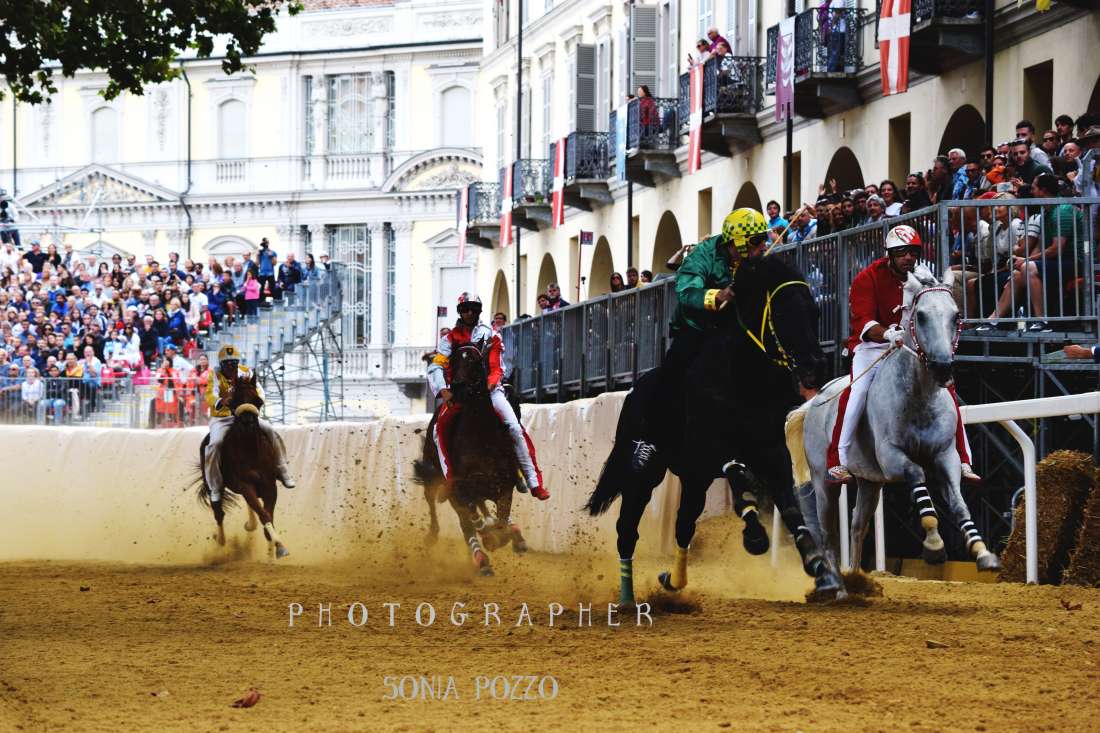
(469, 329)
(874, 301)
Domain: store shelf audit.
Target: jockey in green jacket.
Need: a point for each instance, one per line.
(704, 284)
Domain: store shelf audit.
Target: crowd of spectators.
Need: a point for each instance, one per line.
(73, 327)
(1010, 168)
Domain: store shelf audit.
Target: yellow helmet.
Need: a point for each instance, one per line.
(228, 353)
(742, 225)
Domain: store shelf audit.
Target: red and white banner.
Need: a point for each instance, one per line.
(695, 120)
(893, 46)
(557, 198)
(463, 218)
(506, 208)
(784, 70)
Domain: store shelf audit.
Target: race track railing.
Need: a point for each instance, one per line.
(1022, 266)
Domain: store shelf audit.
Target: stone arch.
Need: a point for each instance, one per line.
(599, 278)
(500, 301)
(223, 246)
(666, 242)
(966, 130)
(1094, 99)
(749, 197)
(548, 273)
(844, 167)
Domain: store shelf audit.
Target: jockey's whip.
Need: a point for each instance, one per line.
(790, 223)
(862, 374)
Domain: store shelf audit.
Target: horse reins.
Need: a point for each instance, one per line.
(768, 326)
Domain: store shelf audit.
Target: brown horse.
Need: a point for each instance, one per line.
(483, 463)
(248, 461)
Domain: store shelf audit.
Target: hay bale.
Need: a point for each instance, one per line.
(1084, 561)
(1063, 481)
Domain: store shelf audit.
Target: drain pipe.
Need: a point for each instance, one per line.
(186, 191)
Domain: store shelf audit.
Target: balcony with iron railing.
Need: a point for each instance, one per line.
(828, 54)
(587, 168)
(652, 136)
(943, 34)
(482, 213)
(530, 201)
(732, 95)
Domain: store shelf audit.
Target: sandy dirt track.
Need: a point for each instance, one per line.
(743, 653)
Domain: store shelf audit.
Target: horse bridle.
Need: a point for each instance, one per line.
(768, 326)
(912, 308)
(476, 350)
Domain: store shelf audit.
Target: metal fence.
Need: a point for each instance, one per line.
(531, 181)
(586, 157)
(651, 124)
(1033, 259)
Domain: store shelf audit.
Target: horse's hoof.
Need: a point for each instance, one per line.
(432, 538)
(219, 536)
(489, 540)
(281, 552)
(988, 562)
(827, 587)
(519, 546)
(754, 537)
(665, 579)
(485, 571)
(934, 557)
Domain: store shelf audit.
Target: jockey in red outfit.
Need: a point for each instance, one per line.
(469, 329)
(874, 301)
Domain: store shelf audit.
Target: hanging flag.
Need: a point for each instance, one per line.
(695, 120)
(784, 70)
(463, 217)
(620, 141)
(893, 46)
(506, 208)
(557, 199)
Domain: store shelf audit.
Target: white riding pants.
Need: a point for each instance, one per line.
(219, 426)
(521, 443)
(863, 356)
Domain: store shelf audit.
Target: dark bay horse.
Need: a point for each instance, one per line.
(737, 393)
(248, 461)
(483, 462)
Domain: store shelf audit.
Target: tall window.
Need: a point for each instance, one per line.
(455, 103)
(706, 17)
(105, 135)
(547, 95)
(349, 114)
(500, 16)
(390, 238)
(603, 82)
(350, 244)
(502, 122)
(391, 111)
(231, 129)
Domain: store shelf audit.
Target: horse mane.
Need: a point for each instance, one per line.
(921, 278)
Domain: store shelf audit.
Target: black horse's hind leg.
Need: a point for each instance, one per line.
(754, 537)
(693, 498)
(433, 528)
(634, 501)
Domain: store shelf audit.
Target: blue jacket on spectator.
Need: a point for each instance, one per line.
(266, 257)
(177, 327)
(290, 275)
(960, 183)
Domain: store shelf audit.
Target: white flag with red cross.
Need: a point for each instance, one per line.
(893, 46)
(695, 120)
(463, 217)
(557, 198)
(506, 208)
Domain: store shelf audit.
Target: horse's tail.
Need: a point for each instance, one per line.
(616, 471)
(795, 445)
(425, 472)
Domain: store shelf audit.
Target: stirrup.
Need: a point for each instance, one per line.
(643, 453)
(840, 473)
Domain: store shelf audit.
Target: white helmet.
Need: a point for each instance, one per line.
(902, 235)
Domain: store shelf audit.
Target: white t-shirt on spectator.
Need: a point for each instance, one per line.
(893, 209)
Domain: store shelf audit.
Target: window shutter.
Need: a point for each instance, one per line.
(547, 111)
(672, 71)
(585, 85)
(525, 123)
(644, 46)
(624, 83)
(750, 30)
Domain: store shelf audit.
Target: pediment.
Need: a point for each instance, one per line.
(113, 187)
(433, 170)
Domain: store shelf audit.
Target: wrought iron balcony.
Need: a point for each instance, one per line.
(530, 193)
(732, 95)
(651, 124)
(587, 168)
(944, 34)
(828, 53)
(482, 213)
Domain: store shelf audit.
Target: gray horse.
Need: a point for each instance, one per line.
(906, 435)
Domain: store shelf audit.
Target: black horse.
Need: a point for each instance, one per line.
(248, 461)
(737, 393)
(483, 462)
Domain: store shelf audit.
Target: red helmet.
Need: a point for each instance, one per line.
(902, 235)
(469, 300)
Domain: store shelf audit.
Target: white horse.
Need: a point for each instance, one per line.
(906, 434)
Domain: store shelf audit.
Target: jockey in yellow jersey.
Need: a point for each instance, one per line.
(229, 370)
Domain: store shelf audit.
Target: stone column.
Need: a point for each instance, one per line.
(379, 109)
(320, 130)
(377, 306)
(318, 241)
(403, 283)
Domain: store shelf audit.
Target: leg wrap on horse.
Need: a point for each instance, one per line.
(626, 581)
(754, 536)
(923, 501)
(973, 537)
(680, 569)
